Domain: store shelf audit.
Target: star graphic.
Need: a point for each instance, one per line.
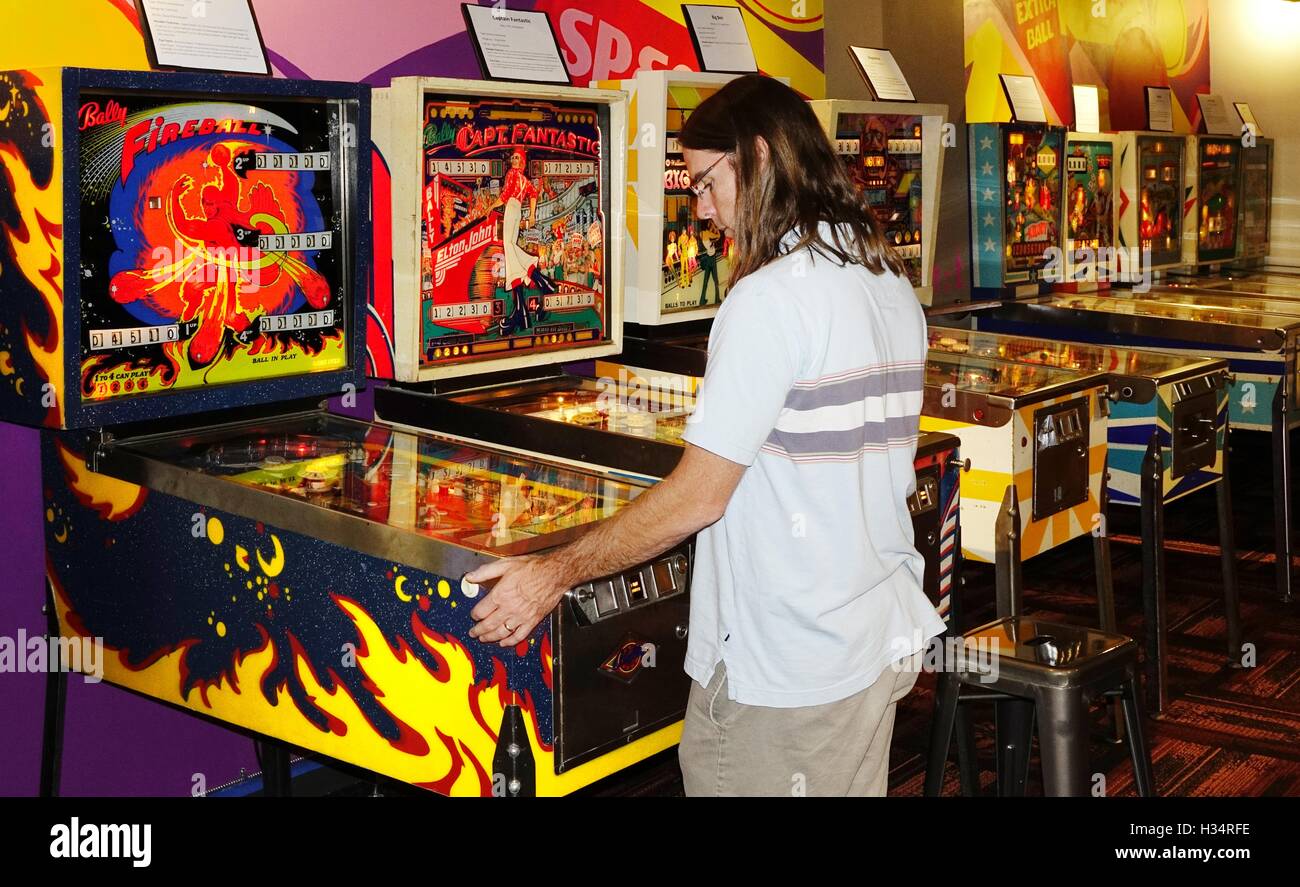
(987, 169)
(986, 144)
(266, 128)
(989, 246)
(989, 221)
(988, 195)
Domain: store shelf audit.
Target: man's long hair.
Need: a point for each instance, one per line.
(802, 184)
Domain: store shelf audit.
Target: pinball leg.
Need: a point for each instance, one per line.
(56, 698)
(1007, 563)
(276, 778)
(1101, 562)
(1153, 576)
(1106, 587)
(1228, 560)
(1138, 748)
(1282, 501)
(514, 773)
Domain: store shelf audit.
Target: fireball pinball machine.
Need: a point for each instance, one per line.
(304, 572)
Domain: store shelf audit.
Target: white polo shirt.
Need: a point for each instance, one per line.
(809, 586)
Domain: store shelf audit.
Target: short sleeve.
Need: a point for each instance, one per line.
(753, 363)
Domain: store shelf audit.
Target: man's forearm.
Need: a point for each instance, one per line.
(660, 518)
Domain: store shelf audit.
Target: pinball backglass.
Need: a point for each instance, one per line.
(1090, 210)
(1016, 217)
(1218, 177)
(893, 153)
(504, 254)
(191, 243)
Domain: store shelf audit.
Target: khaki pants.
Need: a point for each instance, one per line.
(837, 749)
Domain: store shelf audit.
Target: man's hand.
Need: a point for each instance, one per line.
(526, 591)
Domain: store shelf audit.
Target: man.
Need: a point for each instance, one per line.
(807, 614)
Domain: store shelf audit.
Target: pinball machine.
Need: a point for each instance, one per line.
(1165, 440)
(677, 264)
(1017, 219)
(1258, 345)
(1156, 215)
(607, 424)
(1215, 181)
(894, 154)
(1091, 212)
(1178, 208)
(240, 553)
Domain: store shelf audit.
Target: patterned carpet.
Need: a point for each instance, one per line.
(1226, 732)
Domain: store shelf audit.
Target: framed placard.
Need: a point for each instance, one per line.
(1160, 109)
(1087, 108)
(1247, 117)
(515, 44)
(1215, 116)
(720, 39)
(1022, 95)
(203, 35)
(884, 78)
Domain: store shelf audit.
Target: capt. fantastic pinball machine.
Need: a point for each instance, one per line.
(500, 236)
(184, 280)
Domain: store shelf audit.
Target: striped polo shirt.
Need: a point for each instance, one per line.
(809, 586)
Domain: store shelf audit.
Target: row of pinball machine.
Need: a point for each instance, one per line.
(193, 263)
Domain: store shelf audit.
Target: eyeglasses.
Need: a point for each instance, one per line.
(700, 190)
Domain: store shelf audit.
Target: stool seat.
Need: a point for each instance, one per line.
(1046, 672)
(1045, 654)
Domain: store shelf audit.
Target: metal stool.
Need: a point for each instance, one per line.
(1031, 669)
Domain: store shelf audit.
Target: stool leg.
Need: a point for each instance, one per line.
(945, 714)
(1228, 558)
(1063, 742)
(1015, 729)
(1153, 575)
(1137, 740)
(967, 760)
